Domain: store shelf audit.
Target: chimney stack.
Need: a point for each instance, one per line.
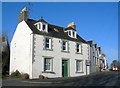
(72, 24)
(23, 15)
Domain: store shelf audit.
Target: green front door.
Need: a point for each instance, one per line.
(64, 68)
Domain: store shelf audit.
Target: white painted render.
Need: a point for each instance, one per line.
(94, 59)
(92, 65)
(40, 53)
(20, 49)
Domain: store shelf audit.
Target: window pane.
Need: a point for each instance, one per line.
(43, 27)
(64, 45)
(47, 43)
(77, 50)
(47, 40)
(64, 48)
(70, 33)
(73, 34)
(78, 66)
(77, 47)
(39, 26)
(47, 63)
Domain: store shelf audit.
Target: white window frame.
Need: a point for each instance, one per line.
(79, 65)
(79, 47)
(66, 45)
(39, 25)
(48, 64)
(50, 43)
(69, 33)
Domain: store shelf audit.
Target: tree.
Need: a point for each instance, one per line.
(5, 54)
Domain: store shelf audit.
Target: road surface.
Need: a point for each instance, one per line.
(99, 79)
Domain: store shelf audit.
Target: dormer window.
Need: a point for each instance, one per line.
(72, 33)
(42, 25)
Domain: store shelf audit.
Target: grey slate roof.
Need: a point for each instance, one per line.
(52, 33)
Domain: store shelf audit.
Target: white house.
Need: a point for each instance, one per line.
(94, 57)
(97, 58)
(40, 48)
(103, 62)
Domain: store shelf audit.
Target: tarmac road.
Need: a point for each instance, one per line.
(99, 79)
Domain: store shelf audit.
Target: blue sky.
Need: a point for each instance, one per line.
(96, 21)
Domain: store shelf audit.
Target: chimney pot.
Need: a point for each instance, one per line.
(23, 15)
(72, 24)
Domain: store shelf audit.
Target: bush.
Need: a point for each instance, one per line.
(16, 74)
(41, 77)
(97, 69)
(25, 76)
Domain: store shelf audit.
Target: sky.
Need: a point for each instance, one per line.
(97, 21)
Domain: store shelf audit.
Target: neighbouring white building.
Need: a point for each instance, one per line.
(103, 62)
(97, 58)
(40, 48)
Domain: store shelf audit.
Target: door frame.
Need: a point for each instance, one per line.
(68, 63)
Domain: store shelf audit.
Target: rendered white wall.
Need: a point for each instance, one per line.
(57, 58)
(20, 55)
(95, 54)
(92, 66)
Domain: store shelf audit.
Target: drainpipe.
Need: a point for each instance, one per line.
(86, 69)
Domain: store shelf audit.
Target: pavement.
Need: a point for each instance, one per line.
(97, 79)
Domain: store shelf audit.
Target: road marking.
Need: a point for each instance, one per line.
(40, 82)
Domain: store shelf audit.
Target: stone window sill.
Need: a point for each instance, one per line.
(65, 51)
(47, 49)
(48, 72)
(79, 53)
(79, 72)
